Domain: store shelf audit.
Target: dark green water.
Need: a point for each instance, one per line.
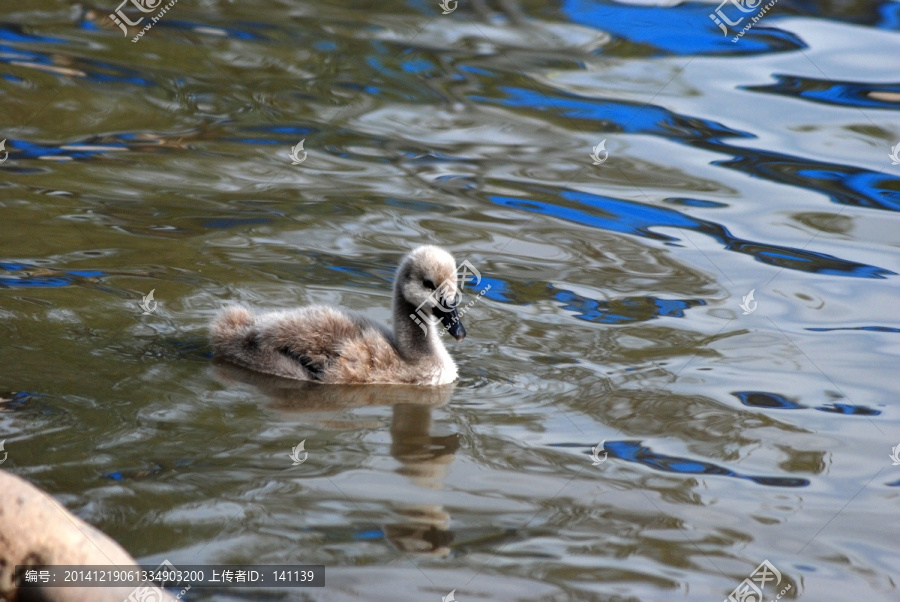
(613, 313)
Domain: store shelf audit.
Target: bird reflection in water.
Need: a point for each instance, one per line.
(424, 458)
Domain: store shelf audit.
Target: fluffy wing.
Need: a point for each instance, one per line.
(317, 337)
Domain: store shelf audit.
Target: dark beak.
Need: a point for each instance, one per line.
(452, 323)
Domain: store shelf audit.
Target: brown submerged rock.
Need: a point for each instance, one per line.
(36, 530)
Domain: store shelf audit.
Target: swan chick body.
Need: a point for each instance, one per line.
(333, 345)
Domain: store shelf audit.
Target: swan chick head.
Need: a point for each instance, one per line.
(427, 280)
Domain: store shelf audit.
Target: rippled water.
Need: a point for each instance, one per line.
(613, 312)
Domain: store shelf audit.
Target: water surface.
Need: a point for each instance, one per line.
(611, 306)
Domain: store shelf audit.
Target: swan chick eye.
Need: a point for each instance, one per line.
(428, 284)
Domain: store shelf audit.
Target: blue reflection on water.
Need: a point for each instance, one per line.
(55, 278)
(830, 92)
(635, 452)
(623, 311)
(685, 29)
(634, 218)
(774, 401)
(843, 184)
(866, 328)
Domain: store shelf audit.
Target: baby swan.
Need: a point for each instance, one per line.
(330, 345)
